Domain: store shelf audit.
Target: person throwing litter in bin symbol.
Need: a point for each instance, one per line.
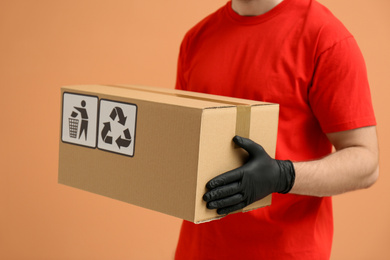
(84, 118)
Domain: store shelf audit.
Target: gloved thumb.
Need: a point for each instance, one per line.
(248, 145)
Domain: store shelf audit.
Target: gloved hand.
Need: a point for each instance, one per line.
(258, 177)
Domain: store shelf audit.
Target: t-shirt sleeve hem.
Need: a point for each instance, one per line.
(364, 122)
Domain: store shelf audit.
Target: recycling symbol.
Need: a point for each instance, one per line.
(117, 117)
(117, 126)
(99, 123)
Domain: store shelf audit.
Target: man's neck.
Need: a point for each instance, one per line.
(253, 7)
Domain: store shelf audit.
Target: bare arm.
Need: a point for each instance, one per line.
(353, 166)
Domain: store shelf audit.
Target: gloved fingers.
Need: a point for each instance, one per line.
(225, 202)
(227, 210)
(222, 192)
(225, 178)
(250, 146)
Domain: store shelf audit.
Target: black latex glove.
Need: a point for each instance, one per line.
(258, 177)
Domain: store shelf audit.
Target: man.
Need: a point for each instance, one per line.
(297, 54)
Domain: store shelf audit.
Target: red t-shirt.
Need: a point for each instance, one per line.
(299, 56)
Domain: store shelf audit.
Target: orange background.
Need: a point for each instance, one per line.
(46, 44)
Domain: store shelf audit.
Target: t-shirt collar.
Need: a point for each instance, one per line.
(255, 19)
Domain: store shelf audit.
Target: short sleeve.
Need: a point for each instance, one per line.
(340, 94)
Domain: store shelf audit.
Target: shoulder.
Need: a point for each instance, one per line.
(328, 28)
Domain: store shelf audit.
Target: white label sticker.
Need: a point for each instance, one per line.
(117, 125)
(79, 119)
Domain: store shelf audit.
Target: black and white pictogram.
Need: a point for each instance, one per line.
(117, 124)
(79, 119)
(74, 122)
(121, 141)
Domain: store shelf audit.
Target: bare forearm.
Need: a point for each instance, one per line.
(345, 170)
(353, 166)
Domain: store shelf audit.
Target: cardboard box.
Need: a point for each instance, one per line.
(157, 148)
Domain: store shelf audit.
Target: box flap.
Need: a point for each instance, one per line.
(150, 96)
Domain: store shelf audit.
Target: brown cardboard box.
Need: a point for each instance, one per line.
(157, 148)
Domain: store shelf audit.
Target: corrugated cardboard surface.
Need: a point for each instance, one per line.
(181, 141)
